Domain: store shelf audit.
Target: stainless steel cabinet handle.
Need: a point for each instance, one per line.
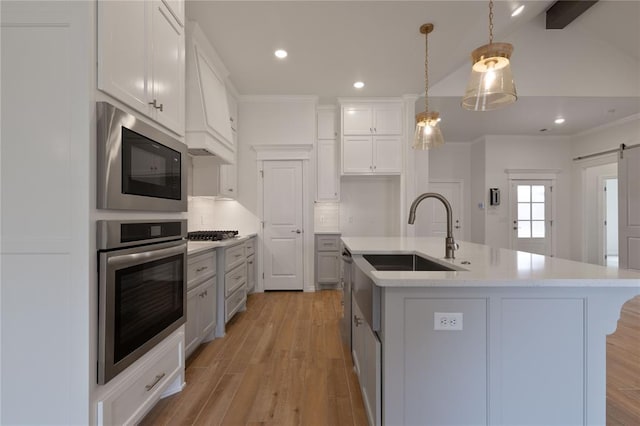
(156, 106)
(202, 269)
(375, 130)
(155, 382)
(357, 321)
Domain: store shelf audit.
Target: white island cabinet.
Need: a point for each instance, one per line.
(512, 337)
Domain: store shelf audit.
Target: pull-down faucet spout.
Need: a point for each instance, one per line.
(450, 244)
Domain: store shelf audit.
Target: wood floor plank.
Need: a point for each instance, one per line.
(281, 363)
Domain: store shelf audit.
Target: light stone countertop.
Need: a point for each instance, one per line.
(486, 267)
(194, 247)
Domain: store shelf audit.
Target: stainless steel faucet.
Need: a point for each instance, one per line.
(450, 244)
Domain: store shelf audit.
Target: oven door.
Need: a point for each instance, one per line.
(142, 299)
(139, 167)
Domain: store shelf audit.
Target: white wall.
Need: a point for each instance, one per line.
(478, 196)
(596, 140)
(370, 206)
(269, 120)
(611, 215)
(526, 153)
(453, 161)
(211, 214)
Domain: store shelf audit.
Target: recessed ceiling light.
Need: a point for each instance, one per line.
(518, 11)
(559, 120)
(358, 84)
(281, 54)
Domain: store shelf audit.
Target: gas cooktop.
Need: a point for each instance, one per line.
(211, 235)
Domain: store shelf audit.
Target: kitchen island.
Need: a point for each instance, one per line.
(504, 338)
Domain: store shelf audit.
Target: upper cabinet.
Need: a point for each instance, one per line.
(208, 129)
(141, 60)
(372, 138)
(372, 119)
(327, 179)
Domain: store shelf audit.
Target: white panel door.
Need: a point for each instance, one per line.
(357, 154)
(531, 216)
(434, 222)
(283, 251)
(629, 208)
(387, 155)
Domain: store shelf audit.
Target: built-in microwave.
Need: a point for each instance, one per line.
(139, 167)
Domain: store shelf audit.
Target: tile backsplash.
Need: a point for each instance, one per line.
(207, 213)
(326, 217)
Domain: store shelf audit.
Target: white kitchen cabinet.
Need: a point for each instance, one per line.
(372, 119)
(212, 179)
(328, 181)
(327, 177)
(126, 400)
(201, 299)
(371, 155)
(250, 251)
(232, 284)
(208, 128)
(328, 259)
(141, 58)
(367, 359)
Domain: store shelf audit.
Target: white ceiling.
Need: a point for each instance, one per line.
(332, 44)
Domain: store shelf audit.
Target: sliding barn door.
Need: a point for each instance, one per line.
(629, 208)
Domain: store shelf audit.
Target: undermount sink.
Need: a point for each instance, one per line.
(403, 262)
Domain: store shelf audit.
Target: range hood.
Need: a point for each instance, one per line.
(208, 125)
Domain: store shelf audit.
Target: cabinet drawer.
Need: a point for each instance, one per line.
(200, 266)
(233, 256)
(328, 243)
(235, 278)
(235, 302)
(128, 402)
(250, 247)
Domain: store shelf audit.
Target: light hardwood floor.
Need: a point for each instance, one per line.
(281, 363)
(623, 368)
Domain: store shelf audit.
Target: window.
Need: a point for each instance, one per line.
(531, 211)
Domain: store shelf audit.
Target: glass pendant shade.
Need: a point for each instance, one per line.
(491, 83)
(428, 134)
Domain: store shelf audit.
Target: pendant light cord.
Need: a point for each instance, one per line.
(426, 72)
(490, 21)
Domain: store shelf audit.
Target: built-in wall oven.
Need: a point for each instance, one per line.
(142, 277)
(139, 167)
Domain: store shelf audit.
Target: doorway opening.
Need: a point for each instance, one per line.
(610, 223)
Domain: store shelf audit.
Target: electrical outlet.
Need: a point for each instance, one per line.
(447, 321)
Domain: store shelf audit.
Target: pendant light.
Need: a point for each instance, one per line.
(428, 134)
(491, 83)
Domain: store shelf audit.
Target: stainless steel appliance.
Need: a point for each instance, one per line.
(211, 235)
(142, 276)
(139, 167)
(347, 274)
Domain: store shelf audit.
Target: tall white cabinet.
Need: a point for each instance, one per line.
(141, 58)
(371, 138)
(328, 180)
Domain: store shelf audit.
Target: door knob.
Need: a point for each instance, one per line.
(297, 231)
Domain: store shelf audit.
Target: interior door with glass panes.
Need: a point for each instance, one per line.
(531, 216)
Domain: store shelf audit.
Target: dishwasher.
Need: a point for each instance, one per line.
(347, 277)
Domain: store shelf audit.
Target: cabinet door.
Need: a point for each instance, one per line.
(233, 112)
(328, 183)
(168, 68)
(357, 120)
(328, 267)
(207, 308)
(122, 52)
(192, 331)
(251, 273)
(371, 384)
(387, 154)
(357, 341)
(228, 180)
(357, 154)
(387, 120)
(327, 124)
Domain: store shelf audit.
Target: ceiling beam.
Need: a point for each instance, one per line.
(563, 12)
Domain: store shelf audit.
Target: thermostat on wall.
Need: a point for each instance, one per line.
(494, 196)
